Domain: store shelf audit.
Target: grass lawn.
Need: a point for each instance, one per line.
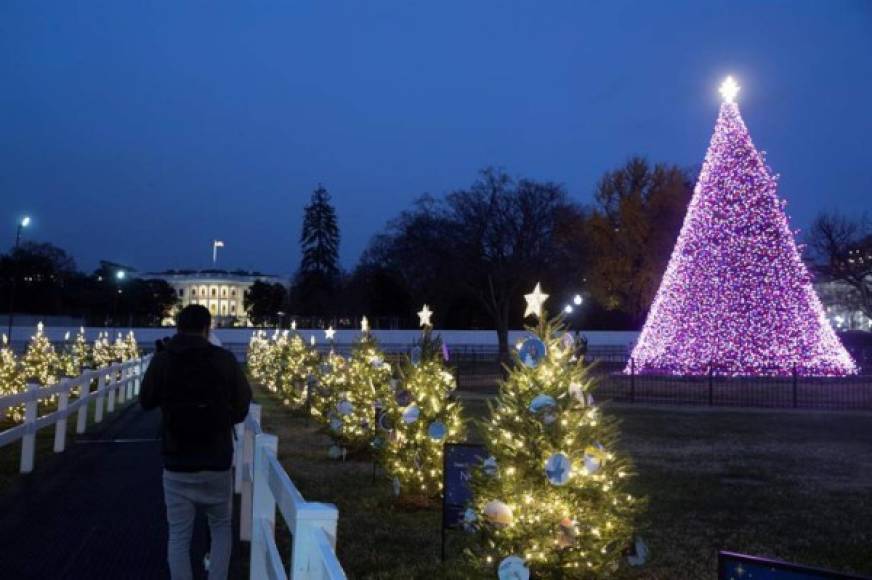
(795, 485)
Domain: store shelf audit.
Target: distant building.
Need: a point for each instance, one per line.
(841, 305)
(221, 291)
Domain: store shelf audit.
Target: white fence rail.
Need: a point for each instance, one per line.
(264, 485)
(116, 383)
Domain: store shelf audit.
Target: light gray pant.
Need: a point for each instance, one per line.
(183, 492)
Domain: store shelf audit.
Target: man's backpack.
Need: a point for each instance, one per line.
(196, 401)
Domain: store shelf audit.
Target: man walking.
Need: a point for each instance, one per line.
(202, 392)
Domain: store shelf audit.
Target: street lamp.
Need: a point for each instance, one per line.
(577, 300)
(22, 223)
(120, 275)
(567, 309)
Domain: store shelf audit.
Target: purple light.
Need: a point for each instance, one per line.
(736, 293)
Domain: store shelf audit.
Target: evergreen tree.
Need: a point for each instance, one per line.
(736, 294)
(331, 379)
(317, 278)
(258, 355)
(80, 350)
(351, 412)
(41, 362)
(296, 367)
(68, 365)
(103, 354)
(11, 379)
(552, 495)
(419, 419)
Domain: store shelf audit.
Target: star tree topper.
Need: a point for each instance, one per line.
(329, 333)
(535, 300)
(729, 89)
(364, 324)
(424, 316)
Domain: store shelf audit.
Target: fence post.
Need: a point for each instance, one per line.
(60, 439)
(311, 518)
(247, 489)
(101, 392)
(795, 386)
(28, 441)
(111, 384)
(632, 380)
(264, 504)
(137, 376)
(85, 395)
(121, 377)
(239, 432)
(711, 384)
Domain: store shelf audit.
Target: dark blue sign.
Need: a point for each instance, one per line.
(458, 461)
(739, 567)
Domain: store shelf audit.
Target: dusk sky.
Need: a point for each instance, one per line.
(138, 132)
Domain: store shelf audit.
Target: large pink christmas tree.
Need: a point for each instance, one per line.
(736, 294)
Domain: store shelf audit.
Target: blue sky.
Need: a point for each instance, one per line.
(138, 132)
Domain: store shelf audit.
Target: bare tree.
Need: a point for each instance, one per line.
(841, 250)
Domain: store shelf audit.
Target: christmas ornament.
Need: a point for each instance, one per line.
(542, 403)
(344, 407)
(385, 423)
(498, 514)
(403, 398)
(513, 568)
(558, 469)
(638, 553)
(576, 391)
(469, 520)
(411, 414)
(436, 431)
(489, 466)
(334, 452)
(532, 351)
(593, 458)
(567, 532)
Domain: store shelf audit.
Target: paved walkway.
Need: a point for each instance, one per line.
(96, 510)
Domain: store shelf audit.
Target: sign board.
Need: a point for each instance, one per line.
(733, 566)
(458, 458)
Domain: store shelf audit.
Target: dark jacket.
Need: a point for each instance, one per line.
(215, 454)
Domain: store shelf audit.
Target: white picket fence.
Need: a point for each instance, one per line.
(116, 383)
(264, 485)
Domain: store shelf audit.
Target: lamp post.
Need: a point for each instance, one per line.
(22, 223)
(120, 275)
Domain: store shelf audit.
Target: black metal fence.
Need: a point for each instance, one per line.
(479, 370)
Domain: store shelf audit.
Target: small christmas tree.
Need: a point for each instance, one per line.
(41, 362)
(11, 379)
(257, 357)
(331, 379)
(103, 354)
(552, 495)
(131, 348)
(68, 366)
(351, 413)
(80, 350)
(420, 418)
(296, 366)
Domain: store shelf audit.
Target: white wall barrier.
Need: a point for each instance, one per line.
(264, 485)
(122, 379)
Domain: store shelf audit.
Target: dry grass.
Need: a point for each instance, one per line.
(792, 485)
